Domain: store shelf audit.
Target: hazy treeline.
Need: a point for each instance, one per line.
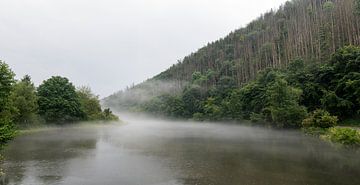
(142, 93)
(55, 101)
(279, 96)
(314, 96)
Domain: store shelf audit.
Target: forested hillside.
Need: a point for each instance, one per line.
(309, 29)
(230, 78)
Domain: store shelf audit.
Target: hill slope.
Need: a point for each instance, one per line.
(308, 29)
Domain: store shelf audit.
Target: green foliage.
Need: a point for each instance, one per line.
(6, 82)
(192, 99)
(328, 6)
(312, 94)
(233, 106)
(167, 105)
(284, 108)
(90, 104)
(320, 118)
(332, 86)
(357, 7)
(198, 117)
(289, 116)
(250, 98)
(280, 97)
(212, 110)
(256, 118)
(107, 115)
(346, 60)
(345, 136)
(7, 130)
(24, 100)
(58, 101)
(314, 131)
(336, 105)
(351, 122)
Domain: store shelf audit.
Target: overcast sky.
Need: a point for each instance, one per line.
(110, 44)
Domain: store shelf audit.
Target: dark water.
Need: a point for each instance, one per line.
(148, 152)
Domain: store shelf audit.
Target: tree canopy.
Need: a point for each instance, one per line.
(58, 101)
(24, 100)
(7, 80)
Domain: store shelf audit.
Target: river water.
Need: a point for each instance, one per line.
(153, 152)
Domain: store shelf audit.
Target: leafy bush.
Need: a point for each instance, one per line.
(212, 109)
(320, 118)
(344, 136)
(90, 104)
(7, 130)
(107, 115)
(198, 116)
(255, 118)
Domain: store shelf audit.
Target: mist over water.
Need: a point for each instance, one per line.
(158, 152)
(142, 93)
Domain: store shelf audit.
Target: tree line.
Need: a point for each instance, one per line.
(55, 101)
(279, 96)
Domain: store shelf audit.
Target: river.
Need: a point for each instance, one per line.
(147, 151)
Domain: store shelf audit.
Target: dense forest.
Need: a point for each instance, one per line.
(308, 29)
(295, 67)
(55, 101)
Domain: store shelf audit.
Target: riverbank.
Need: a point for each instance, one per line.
(343, 136)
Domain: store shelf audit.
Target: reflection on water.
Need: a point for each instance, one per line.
(173, 153)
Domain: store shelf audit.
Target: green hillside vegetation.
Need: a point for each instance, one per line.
(310, 30)
(307, 29)
(314, 96)
(55, 101)
(285, 67)
(282, 97)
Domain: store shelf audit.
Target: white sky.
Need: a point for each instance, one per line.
(110, 44)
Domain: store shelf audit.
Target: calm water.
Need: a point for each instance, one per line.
(149, 152)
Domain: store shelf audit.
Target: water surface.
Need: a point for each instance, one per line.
(153, 152)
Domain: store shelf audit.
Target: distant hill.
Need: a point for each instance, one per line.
(307, 29)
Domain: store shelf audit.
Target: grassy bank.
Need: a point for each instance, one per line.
(343, 136)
